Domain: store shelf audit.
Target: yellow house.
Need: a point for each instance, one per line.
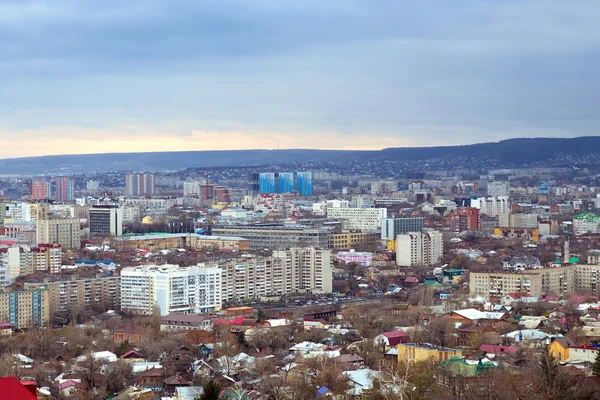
(414, 352)
(147, 220)
(559, 348)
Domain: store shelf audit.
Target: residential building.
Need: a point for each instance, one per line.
(172, 288)
(63, 231)
(106, 220)
(498, 188)
(364, 258)
(25, 309)
(191, 189)
(77, 291)
(140, 184)
(392, 227)
(304, 184)
(65, 189)
(172, 241)
(41, 189)
(518, 220)
(285, 182)
(185, 322)
(383, 187)
(419, 248)
(358, 218)
(277, 236)
(492, 206)
(296, 270)
(267, 182)
(537, 282)
(25, 259)
(415, 352)
(354, 240)
(586, 223)
(464, 219)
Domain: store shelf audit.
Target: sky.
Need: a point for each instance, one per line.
(79, 76)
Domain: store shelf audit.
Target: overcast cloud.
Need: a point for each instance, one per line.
(101, 76)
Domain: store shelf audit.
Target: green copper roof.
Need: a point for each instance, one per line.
(589, 217)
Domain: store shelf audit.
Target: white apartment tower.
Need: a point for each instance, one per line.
(172, 288)
(498, 188)
(419, 248)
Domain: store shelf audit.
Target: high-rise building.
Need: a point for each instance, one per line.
(77, 292)
(498, 188)
(285, 182)
(392, 227)
(25, 309)
(492, 206)
(304, 183)
(221, 194)
(63, 231)
(296, 270)
(419, 248)
(172, 288)
(464, 219)
(2, 213)
(106, 220)
(41, 189)
(273, 236)
(383, 187)
(140, 184)
(267, 182)
(65, 189)
(191, 189)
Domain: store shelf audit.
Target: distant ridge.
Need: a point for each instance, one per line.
(512, 151)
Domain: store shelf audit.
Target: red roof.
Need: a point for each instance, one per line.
(396, 337)
(411, 279)
(496, 349)
(12, 389)
(517, 296)
(237, 321)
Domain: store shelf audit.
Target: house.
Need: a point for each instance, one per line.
(425, 352)
(68, 388)
(179, 322)
(529, 335)
(129, 334)
(349, 359)
(533, 322)
(132, 356)
(494, 349)
(469, 335)
(390, 339)
(105, 356)
(175, 381)
(6, 329)
(565, 350)
(472, 316)
(361, 380)
(512, 298)
(149, 375)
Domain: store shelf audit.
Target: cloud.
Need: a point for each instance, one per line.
(361, 73)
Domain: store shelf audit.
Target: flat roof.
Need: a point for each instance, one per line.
(176, 235)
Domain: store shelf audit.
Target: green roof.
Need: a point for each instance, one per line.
(589, 217)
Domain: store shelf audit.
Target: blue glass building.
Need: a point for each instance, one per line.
(285, 182)
(267, 182)
(304, 183)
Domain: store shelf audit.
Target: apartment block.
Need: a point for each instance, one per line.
(392, 227)
(545, 281)
(25, 260)
(277, 236)
(296, 270)
(106, 220)
(77, 292)
(172, 288)
(354, 240)
(63, 231)
(419, 248)
(368, 219)
(498, 188)
(25, 309)
(140, 184)
(171, 241)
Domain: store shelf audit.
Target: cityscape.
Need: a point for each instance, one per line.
(295, 201)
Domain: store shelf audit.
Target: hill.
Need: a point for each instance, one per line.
(509, 152)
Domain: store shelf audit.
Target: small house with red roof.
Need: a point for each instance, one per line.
(391, 339)
(12, 389)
